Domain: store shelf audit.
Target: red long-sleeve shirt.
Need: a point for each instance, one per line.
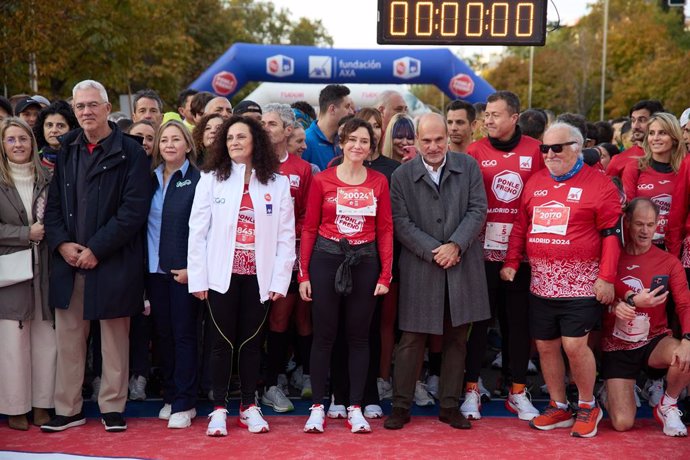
(635, 272)
(654, 185)
(327, 194)
(299, 173)
(623, 159)
(679, 218)
(504, 174)
(559, 225)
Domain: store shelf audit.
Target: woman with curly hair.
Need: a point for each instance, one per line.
(204, 134)
(54, 121)
(240, 257)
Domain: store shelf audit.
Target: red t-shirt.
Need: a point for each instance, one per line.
(654, 185)
(679, 219)
(244, 261)
(505, 174)
(299, 173)
(620, 161)
(336, 210)
(635, 272)
(559, 225)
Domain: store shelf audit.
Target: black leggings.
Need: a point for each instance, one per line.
(357, 310)
(509, 301)
(238, 319)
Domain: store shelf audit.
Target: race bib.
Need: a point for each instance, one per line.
(244, 236)
(551, 218)
(636, 330)
(496, 236)
(355, 201)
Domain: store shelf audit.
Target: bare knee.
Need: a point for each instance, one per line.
(621, 423)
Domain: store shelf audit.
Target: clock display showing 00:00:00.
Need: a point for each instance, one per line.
(480, 22)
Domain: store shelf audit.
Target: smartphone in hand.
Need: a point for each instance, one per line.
(659, 280)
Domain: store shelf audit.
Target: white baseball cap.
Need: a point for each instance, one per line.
(685, 117)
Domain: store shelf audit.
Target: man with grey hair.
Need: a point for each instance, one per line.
(97, 206)
(219, 105)
(389, 103)
(279, 121)
(148, 106)
(567, 225)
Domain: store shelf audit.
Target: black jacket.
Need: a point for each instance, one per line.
(119, 196)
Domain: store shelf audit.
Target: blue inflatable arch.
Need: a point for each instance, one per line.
(244, 62)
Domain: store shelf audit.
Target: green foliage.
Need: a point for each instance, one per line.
(647, 58)
(133, 44)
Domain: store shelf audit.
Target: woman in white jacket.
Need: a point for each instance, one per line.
(241, 254)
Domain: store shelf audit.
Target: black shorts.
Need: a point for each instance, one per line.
(553, 318)
(627, 364)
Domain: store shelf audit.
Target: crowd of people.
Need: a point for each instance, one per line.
(218, 241)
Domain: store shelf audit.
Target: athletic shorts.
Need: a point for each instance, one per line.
(627, 364)
(553, 318)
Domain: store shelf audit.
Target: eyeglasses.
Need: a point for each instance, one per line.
(556, 148)
(91, 105)
(17, 140)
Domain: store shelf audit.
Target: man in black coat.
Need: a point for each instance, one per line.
(97, 206)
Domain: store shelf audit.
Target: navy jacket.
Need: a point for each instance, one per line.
(177, 205)
(119, 196)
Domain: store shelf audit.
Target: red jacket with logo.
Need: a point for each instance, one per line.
(505, 174)
(322, 218)
(559, 225)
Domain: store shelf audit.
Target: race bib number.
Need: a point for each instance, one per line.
(496, 236)
(636, 330)
(551, 218)
(245, 229)
(355, 201)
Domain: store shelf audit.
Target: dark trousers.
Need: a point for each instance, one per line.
(139, 341)
(357, 309)
(239, 320)
(408, 360)
(509, 302)
(174, 313)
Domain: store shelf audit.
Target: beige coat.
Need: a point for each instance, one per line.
(18, 301)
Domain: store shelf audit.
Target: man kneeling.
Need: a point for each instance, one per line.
(636, 335)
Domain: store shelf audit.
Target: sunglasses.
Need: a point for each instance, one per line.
(556, 148)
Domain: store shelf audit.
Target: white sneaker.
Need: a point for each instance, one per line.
(291, 365)
(472, 405)
(532, 368)
(276, 399)
(497, 363)
(137, 388)
(297, 378)
(385, 388)
(306, 387)
(96, 385)
(373, 411)
(182, 419)
(165, 411)
(483, 392)
(669, 417)
(356, 421)
(253, 419)
(317, 419)
(653, 391)
(521, 404)
(421, 395)
(283, 384)
(336, 410)
(217, 426)
(432, 385)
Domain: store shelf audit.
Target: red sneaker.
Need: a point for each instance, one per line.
(587, 420)
(553, 417)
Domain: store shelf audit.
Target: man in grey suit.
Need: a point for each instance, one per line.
(439, 207)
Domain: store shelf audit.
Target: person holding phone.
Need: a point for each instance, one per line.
(636, 335)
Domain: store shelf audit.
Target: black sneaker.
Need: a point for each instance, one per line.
(114, 421)
(62, 422)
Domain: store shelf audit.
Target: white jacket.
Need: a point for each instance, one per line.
(212, 227)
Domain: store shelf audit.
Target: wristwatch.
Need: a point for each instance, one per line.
(629, 300)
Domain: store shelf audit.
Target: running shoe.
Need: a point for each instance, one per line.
(182, 419)
(373, 411)
(276, 399)
(483, 392)
(252, 419)
(63, 422)
(297, 378)
(422, 397)
(586, 422)
(669, 417)
(472, 405)
(553, 417)
(432, 385)
(653, 391)
(356, 421)
(113, 422)
(137, 388)
(521, 404)
(217, 426)
(317, 419)
(306, 387)
(283, 384)
(164, 413)
(385, 388)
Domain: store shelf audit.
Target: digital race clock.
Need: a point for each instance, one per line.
(462, 22)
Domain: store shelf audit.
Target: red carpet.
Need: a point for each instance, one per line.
(424, 437)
